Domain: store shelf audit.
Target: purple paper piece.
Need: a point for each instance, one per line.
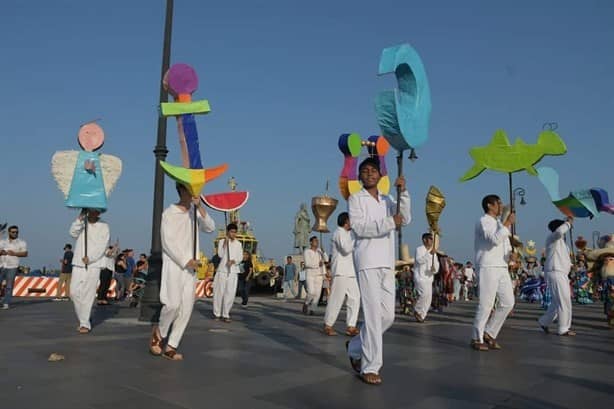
(182, 79)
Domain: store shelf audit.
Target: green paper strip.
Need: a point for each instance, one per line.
(181, 108)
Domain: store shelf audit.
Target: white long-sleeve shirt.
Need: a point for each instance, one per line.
(557, 252)
(374, 228)
(492, 244)
(312, 259)
(97, 241)
(424, 263)
(342, 260)
(177, 236)
(235, 250)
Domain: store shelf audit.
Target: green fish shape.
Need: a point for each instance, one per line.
(501, 156)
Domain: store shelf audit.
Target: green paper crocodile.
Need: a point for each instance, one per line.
(499, 155)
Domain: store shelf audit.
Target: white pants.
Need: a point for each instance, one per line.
(457, 289)
(342, 287)
(224, 292)
(424, 288)
(177, 294)
(494, 281)
(560, 307)
(83, 292)
(377, 293)
(314, 289)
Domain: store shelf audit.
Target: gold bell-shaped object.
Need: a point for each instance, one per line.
(322, 207)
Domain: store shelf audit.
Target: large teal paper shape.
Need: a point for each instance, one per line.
(403, 114)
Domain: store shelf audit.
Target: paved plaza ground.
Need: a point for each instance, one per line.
(272, 356)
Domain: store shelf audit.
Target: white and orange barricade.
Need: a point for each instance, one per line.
(26, 286)
(204, 288)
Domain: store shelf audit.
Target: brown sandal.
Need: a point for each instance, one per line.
(491, 342)
(155, 344)
(569, 333)
(172, 354)
(84, 330)
(371, 378)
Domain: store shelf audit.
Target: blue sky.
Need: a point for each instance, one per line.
(284, 80)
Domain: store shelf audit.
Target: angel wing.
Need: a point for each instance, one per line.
(63, 168)
(111, 170)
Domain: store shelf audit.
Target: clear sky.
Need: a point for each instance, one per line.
(284, 80)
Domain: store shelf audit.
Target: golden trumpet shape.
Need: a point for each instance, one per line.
(435, 203)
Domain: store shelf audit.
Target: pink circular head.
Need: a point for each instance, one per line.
(91, 137)
(181, 79)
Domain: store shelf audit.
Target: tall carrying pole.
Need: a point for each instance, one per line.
(511, 202)
(150, 303)
(400, 228)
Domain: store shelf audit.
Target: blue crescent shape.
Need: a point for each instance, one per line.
(403, 114)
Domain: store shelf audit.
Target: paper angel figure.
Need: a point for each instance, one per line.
(86, 177)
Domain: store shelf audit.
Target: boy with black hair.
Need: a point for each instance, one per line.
(230, 251)
(556, 269)
(374, 220)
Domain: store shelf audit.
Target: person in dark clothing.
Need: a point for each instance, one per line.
(137, 285)
(65, 274)
(106, 274)
(246, 273)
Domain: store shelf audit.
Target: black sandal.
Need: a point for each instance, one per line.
(354, 362)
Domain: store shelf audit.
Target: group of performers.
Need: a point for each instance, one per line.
(363, 267)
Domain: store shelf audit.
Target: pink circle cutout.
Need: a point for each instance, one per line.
(91, 137)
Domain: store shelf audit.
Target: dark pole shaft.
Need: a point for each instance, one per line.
(400, 228)
(194, 234)
(511, 201)
(150, 303)
(85, 237)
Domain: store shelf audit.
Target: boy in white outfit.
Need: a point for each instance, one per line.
(344, 279)
(226, 276)
(556, 269)
(315, 270)
(179, 267)
(374, 221)
(492, 251)
(427, 265)
(86, 268)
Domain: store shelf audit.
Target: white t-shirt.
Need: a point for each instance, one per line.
(469, 273)
(17, 246)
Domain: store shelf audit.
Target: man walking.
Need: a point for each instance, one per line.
(225, 280)
(374, 221)
(246, 273)
(289, 276)
(557, 267)
(11, 250)
(427, 265)
(302, 280)
(87, 263)
(315, 270)
(65, 274)
(492, 251)
(178, 271)
(344, 279)
(469, 277)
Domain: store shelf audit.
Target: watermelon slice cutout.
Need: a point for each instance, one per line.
(225, 202)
